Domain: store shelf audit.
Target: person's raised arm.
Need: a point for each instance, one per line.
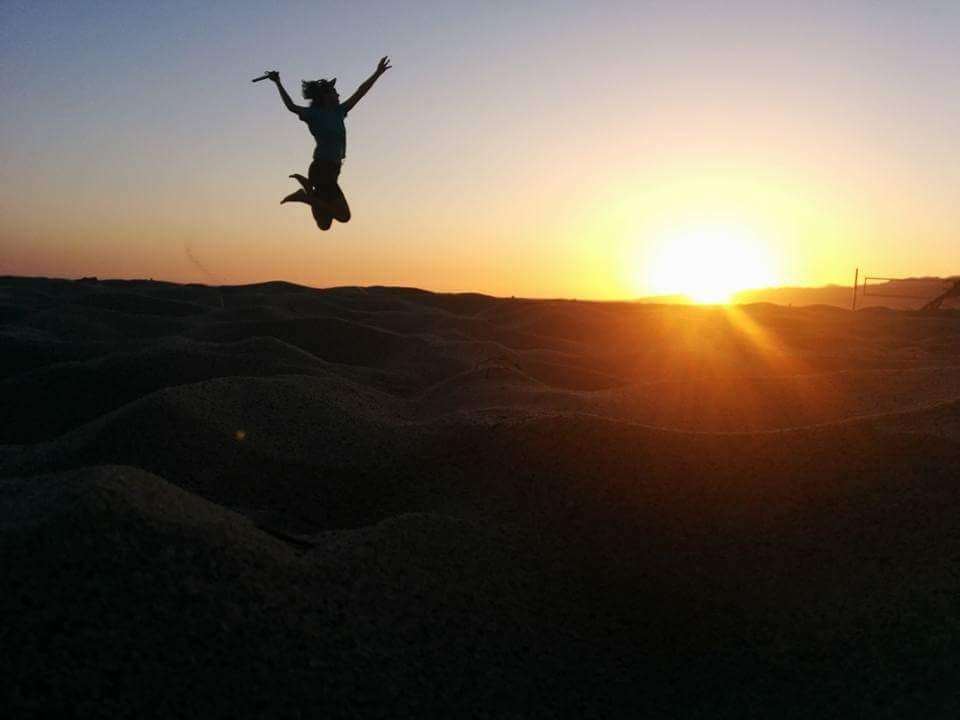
(291, 106)
(382, 67)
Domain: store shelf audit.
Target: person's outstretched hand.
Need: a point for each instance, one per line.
(384, 65)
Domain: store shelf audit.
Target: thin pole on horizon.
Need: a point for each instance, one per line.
(856, 280)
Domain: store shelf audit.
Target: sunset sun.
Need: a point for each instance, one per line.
(709, 264)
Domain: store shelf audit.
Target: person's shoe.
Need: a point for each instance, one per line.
(298, 196)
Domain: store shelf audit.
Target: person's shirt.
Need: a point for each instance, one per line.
(327, 127)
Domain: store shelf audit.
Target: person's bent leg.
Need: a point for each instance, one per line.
(322, 180)
(324, 175)
(329, 201)
(304, 182)
(322, 217)
(341, 211)
(298, 196)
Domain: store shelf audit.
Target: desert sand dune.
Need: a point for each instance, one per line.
(739, 403)
(297, 441)
(83, 390)
(380, 501)
(939, 419)
(362, 617)
(137, 304)
(24, 349)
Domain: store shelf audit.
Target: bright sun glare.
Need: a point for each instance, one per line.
(709, 264)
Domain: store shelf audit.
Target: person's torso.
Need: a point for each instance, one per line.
(328, 129)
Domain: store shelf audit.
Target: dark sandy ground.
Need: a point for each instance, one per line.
(274, 501)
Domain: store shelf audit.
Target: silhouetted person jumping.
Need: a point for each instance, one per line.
(325, 117)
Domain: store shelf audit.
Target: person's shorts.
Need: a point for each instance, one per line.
(324, 172)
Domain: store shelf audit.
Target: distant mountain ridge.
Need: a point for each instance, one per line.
(901, 294)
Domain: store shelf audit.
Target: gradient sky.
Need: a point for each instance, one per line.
(516, 148)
